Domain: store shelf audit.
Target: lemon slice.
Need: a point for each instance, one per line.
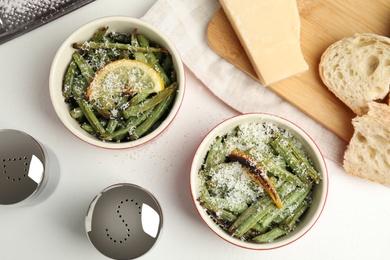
(120, 77)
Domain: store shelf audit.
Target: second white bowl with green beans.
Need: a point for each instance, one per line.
(259, 181)
(117, 82)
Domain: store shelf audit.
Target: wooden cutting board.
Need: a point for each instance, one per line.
(322, 23)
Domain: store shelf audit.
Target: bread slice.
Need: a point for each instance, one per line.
(368, 153)
(357, 70)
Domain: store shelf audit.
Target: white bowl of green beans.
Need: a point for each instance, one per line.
(85, 52)
(259, 181)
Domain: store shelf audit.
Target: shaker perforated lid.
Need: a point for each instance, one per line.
(124, 221)
(22, 162)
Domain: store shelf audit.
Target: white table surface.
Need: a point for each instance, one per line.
(354, 225)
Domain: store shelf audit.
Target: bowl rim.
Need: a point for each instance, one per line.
(256, 117)
(56, 95)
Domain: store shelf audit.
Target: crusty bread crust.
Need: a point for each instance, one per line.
(368, 153)
(357, 70)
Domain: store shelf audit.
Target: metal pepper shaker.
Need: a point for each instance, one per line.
(24, 169)
(124, 221)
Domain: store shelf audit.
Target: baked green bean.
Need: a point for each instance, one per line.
(240, 204)
(151, 59)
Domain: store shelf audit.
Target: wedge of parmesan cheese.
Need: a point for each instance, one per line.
(269, 31)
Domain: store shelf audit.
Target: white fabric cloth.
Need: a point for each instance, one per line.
(185, 23)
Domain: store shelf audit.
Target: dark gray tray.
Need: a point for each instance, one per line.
(20, 16)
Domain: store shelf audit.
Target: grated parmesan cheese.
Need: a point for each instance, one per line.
(230, 181)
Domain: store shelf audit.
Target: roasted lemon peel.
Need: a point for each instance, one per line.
(257, 173)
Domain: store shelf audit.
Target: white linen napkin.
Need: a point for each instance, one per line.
(185, 23)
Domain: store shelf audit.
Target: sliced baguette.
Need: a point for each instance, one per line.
(368, 153)
(357, 70)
